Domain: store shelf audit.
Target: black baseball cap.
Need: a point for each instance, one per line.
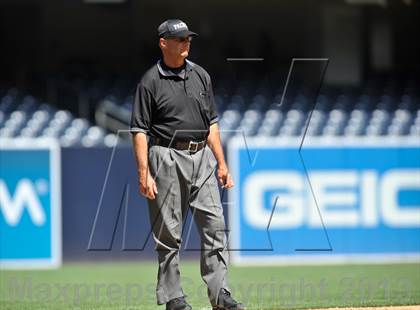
(175, 28)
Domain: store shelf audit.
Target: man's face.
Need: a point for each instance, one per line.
(177, 47)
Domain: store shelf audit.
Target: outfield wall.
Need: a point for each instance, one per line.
(83, 205)
(335, 201)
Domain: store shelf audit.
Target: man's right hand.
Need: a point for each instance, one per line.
(148, 186)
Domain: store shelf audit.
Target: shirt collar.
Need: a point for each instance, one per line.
(165, 72)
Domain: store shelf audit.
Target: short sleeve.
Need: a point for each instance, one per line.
(213, 109)
(142, 110)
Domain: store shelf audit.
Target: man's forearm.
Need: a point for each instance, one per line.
(214, 142)
(140, 150)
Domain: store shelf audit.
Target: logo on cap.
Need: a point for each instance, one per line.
(180, 25)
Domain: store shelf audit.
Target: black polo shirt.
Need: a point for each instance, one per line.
(174, 100)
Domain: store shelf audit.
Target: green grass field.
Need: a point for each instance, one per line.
(132, 286)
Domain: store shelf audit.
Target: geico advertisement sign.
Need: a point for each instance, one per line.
(345, 198)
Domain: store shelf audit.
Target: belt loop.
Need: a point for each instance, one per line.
(150, 142)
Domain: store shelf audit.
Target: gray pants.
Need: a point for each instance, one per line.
(187, 180)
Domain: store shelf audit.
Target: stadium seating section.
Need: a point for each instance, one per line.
(385, 108)
(25, 117)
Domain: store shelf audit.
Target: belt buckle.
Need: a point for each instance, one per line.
(195, 144)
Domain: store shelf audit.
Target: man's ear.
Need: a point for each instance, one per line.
(162, 43)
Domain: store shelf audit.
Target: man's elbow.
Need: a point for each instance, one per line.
(214, 128)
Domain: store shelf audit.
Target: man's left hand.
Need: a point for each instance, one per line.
(225, 179)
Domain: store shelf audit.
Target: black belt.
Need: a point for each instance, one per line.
(192, 146)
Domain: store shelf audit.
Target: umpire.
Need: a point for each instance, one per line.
(174, 105)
